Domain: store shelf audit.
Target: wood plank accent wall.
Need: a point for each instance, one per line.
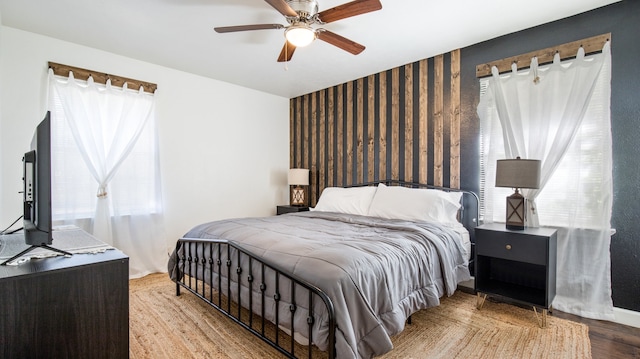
(402, 124)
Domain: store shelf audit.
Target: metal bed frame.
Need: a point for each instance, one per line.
(225, 260)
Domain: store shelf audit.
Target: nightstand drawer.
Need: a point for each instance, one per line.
(520, 248)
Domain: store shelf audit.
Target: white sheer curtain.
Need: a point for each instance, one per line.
(548, 113)
(108, 134)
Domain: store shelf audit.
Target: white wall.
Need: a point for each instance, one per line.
(224, 148)
(2, 221)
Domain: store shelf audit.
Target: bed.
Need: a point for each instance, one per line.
(343, 277)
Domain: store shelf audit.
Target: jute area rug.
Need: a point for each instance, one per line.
(163, 325)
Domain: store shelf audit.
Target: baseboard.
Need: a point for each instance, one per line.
(626, 317)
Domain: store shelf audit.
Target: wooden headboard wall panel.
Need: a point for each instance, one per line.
(401, 124)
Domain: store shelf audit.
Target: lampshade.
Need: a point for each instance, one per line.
(518, 173)
(300, 34)
(299, 177)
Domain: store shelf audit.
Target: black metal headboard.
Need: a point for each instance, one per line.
(470, 202)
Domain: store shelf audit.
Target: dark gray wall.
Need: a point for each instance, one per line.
(623, 21)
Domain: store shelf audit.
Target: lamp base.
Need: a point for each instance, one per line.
(516, 212)
(297, 196)
(514, 228)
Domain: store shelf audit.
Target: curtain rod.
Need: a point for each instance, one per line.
(569, 50)
(100, 77)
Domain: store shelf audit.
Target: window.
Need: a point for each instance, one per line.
(105, 161)
(559, 114)
(588, 158)
(134, 187)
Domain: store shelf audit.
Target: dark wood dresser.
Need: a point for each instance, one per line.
(66, 307)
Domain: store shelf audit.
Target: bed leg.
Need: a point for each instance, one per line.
(177, 289)
(409, 320)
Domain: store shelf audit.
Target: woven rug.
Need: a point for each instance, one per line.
(163, 325)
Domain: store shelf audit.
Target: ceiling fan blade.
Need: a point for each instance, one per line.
(287, 52)
(224, 29)
(354, 8)
(339, 41)
(282, 7)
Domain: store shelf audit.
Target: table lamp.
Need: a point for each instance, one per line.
(298, 177)
(517, 173)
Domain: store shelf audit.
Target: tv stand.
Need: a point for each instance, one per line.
(32, 248)
(58, 307)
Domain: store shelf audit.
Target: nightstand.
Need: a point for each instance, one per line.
(516, 264)
(290, 209)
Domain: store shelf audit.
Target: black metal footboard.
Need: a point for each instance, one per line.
(255, 293)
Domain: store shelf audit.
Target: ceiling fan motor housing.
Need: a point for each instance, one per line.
(306, 9)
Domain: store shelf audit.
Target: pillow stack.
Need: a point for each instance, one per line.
(393, 202)
(353, 200)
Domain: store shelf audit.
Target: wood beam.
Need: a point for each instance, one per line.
(101, 77)
(569, 50)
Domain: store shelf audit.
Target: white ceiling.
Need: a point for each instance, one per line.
(179, 34)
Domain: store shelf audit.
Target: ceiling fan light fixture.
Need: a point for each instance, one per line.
(300, 35)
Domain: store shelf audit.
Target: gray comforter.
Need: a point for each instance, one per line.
(377, 272)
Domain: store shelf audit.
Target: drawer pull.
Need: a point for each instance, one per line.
(508, 247)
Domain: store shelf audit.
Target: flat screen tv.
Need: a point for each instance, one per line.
(37, 187)
(37, 223)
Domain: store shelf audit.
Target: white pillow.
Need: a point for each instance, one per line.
(353, 200)
(416, 204)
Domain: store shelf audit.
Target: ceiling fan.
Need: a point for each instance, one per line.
(301, 14)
